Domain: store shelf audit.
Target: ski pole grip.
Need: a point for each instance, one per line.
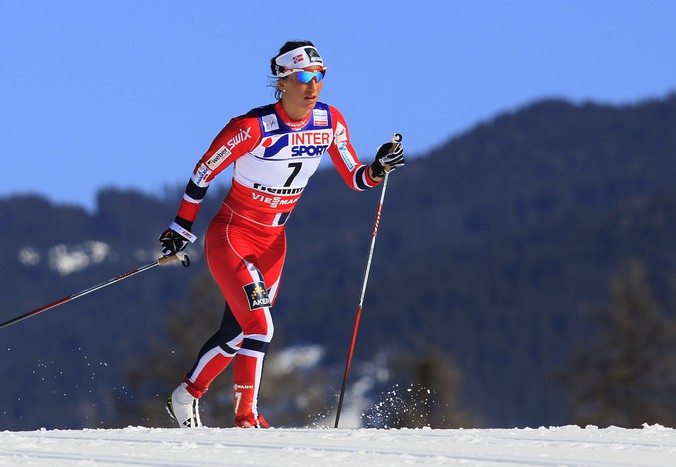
(168, 259)
(396, 138)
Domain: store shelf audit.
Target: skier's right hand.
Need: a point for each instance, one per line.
(176, 237)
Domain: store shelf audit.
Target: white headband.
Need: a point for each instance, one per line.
(301, 57)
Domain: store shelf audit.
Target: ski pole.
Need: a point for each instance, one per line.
(163, 260)
(396, 138)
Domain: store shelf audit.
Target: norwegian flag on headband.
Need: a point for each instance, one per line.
(299, 57)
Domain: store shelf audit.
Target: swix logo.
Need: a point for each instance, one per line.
(257, 295)
(239, 137)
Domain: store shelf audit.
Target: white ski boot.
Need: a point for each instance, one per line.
(184, 408)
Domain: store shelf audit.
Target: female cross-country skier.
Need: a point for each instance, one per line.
(274, 150)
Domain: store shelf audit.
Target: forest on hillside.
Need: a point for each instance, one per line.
(523, 275)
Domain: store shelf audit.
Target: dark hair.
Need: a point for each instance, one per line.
(290, 45)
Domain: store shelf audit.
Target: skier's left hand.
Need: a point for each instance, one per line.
(389, 157)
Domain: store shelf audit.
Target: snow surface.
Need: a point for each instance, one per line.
(137, 446)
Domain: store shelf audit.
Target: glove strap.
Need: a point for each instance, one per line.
(183, 232)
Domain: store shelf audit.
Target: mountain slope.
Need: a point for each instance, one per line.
(492, 249)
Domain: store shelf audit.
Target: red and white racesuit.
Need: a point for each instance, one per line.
(245, 245)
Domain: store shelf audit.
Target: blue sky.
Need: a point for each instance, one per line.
(130, 93)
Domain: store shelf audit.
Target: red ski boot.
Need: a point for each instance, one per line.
(245, 415)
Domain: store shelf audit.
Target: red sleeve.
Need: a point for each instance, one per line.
(239, 136)
(344, 157)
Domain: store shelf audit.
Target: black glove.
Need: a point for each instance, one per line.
(176, 237)
(389, 157)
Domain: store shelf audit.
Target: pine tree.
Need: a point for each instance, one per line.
(626, 375)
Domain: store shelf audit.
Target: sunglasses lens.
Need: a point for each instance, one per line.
(306, 76)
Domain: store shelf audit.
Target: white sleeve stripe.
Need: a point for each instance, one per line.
(192, 200)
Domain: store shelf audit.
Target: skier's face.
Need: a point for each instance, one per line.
(300, 98)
